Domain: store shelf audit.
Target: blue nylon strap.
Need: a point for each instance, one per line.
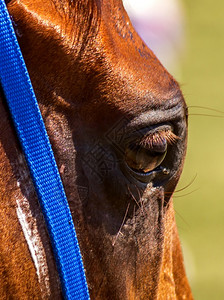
(32, 134)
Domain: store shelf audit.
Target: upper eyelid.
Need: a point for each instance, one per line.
(157, 137)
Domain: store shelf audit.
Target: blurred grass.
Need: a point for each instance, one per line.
(200, 214)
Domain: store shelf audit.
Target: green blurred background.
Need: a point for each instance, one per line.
(200, 207)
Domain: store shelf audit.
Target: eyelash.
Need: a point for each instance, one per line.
(158, 137)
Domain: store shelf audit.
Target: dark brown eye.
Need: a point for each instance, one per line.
(143, 160)
(148, 153)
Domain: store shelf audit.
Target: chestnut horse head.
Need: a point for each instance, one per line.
(117, 123)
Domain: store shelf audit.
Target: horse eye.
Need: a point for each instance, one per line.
(145, 159)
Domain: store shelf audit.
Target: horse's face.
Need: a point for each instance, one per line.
(117, 123)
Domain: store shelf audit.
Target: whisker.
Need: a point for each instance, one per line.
(134, 212)
(180, 216)
(133, 197)
(186, 186)
(178, 196)
(122, 224)
(207, 108)
(206, 115)
(140, 198)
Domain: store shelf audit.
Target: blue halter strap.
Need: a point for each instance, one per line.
(35, 143)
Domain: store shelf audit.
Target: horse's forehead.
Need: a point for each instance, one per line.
(133, 78)
(115, 41)
(118, 73)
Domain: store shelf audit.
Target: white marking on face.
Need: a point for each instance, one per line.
(33, 226)
(28, 223)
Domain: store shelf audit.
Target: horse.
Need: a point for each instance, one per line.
(117, 123)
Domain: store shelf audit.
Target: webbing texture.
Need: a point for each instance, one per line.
(35, 143)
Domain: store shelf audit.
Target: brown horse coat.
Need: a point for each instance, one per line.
(101, 91)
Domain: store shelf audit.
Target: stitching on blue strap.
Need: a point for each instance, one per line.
(33, 137)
